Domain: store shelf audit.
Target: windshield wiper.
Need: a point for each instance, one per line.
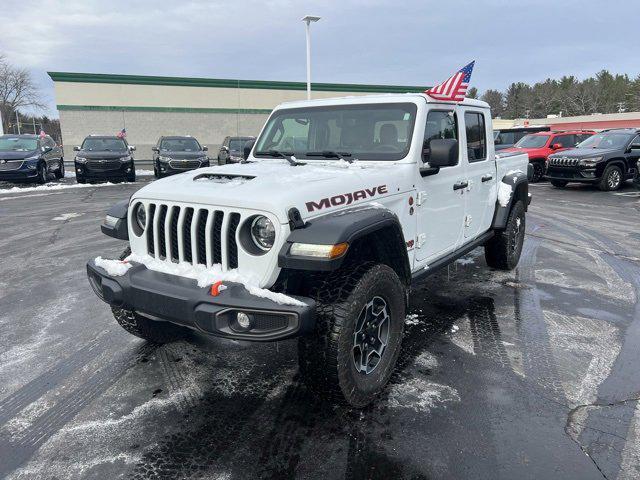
(276, 153)
(331, 154)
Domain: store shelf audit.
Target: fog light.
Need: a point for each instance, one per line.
(244, 320)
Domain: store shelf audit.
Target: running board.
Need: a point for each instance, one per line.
(452, 257)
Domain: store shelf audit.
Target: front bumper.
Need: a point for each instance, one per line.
(572, 175)
(179, 300)
(174, 167)
(123, 170)
(21, 173)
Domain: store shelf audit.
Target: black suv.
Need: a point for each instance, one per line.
(104, 157)
(607, 159)
(30, 157)
(178, 154)
(231, 149)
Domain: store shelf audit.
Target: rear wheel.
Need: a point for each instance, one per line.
(611, 179)
(504, 249)
(360, 317)
(559, 183)
(538, 171)
(59, 173)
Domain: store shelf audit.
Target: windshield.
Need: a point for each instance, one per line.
(104, 144)
(17, 144)
(237, 144)
(180, 145)
(532, 141)
(364, 132)
(606, 140)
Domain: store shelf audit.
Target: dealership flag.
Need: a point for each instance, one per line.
(122, 133)
(454, 88)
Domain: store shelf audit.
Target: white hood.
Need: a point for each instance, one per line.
(275, 186)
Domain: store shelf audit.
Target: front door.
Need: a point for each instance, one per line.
(481, 173)
(440, 199)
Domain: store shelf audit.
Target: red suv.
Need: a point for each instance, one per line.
(540, 145)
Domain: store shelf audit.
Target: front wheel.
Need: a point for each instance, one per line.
(611, 179)
(559, 183)
(42, 174)
(504, 249)
(131, 177)
(538, 171)
(360, 317)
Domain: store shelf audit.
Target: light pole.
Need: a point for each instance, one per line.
(308, 19)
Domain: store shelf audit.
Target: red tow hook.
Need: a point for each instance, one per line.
(216, 288)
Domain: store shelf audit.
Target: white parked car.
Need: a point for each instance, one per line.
(338, 208)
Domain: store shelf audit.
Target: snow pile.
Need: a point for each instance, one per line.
(67, 216)
(115, 268)
(207, 276)
(56, 186)
(504, 194)
(412, 319)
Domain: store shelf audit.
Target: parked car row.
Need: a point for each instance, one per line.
(106, 157)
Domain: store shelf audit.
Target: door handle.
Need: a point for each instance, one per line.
(460, 185)
(487, 177)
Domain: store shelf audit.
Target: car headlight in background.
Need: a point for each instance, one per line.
(263, 233)
(590, 162)
(35, 157)
(125, 158)
(81, 160)
(164, 159)
(140, 215)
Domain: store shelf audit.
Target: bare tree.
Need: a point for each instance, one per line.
(17, 90)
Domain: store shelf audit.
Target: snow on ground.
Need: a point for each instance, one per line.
(50, 187)
(421, 395)
(67, 216)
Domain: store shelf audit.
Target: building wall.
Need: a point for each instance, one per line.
(149, 107)
(144, 127)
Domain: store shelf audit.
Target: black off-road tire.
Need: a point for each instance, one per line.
(503, 250)
(59, 173)
(326, 357)
(559, 183)
(150, 330)
(538, 171)
(612, 179)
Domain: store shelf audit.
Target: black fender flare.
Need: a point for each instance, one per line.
(348, 225)
(519, 184)
(120, 230)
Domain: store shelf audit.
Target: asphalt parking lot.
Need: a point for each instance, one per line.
(527, 374)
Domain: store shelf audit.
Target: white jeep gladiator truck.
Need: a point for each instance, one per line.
(339, 206)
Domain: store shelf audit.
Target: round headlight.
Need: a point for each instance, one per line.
(141, 216)
(263, 233)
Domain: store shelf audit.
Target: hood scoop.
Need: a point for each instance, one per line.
(223, 179)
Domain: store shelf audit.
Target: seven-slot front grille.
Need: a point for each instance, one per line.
(564, 162)
(186, 164)
(194, 235)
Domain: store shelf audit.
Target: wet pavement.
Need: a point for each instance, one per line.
(526, 374)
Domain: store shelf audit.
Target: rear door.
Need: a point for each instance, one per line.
(440, 203)
(480, 173)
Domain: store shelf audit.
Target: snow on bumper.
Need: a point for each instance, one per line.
(179, 300)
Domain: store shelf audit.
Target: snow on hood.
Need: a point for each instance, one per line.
(275, 186)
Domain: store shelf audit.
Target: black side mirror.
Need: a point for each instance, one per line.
(155, 149)
(76, 148)
(224, 148)
(205, 148)
(444, 152)
(132, 148)
(46, 149)
(246, 151)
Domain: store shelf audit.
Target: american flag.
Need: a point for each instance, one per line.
(122, 133)
(455, 87)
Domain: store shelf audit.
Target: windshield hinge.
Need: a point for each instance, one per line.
(420, 198)
(422, 238)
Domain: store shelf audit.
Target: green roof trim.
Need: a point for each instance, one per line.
(115, 108)
(228, 83)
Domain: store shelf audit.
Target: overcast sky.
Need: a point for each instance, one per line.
(409, 42)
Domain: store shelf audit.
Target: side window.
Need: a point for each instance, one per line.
(476, 136)
(440, 124)
(567, 141)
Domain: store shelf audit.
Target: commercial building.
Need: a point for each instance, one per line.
(597, 121)
(207, 108)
